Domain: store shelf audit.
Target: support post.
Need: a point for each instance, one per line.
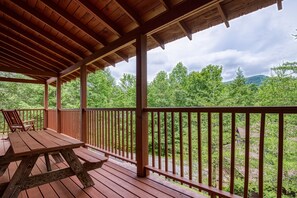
(59, 104)
(83, 102)
(45, 102)
(141, 103)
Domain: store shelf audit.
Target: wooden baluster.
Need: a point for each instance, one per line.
(280, 154)
(173, 142)
(159, 142)
(199, 147)
(166, 141)
(153, 139)
(261, 155)
(112, 124)
(190, 145)
(127, 134)
(220, 151)
(247, 154)
(108, 126)
(209, 149)
(181, 145)
(123, 135)
(232, 166)
(131, 134)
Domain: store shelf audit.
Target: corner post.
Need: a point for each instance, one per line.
(83, 103)
(45, 102)
(141, 103)
(59, 103)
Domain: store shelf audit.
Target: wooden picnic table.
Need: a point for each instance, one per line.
(27, 147)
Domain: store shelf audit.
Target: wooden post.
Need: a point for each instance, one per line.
(141, 102)
(59, 104)
(45, 102)
(83, 102)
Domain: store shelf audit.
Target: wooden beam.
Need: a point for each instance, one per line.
(45, 104)
(29, 72)
(100, 16)
(51, 80)
(42, 32)
(31, 46)
(109, 61)
(123, 56)
(158, 41)
(141, 103)
(83, 103)
(279, 4)
(37, 40)
(177, 13)
(18, 80)
(166, 4)
(129, 11)
(52, 24)
(59, 103)
(185, 29)
(223, 15)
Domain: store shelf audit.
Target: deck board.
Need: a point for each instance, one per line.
(112, 180)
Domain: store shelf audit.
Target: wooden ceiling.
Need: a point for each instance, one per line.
(44, 39)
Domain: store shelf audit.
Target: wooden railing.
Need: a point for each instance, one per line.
(70, 122)
(52, 119)
(218, 149)
(25, 114)
(112, 131)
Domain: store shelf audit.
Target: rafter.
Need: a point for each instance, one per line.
(36, 40)
(18, 80)
(279, 4)
(27, 57)
(29, 72)
(129, 11)
(42, 33)
(177, 13)
(158, 41)
(122, 56)
(100, 16)
(166, 4)
(30, 52)
(31, 46)
(223, 15)
(50, 23)
(109, 61)
(187, 31)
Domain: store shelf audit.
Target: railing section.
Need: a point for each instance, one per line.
(224, 151)
(70, 122)
(52, 119)
(25, 114)
(113, 132)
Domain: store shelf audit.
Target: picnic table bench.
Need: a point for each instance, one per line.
(28, 146)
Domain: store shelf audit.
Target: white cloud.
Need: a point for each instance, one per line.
(254, 42)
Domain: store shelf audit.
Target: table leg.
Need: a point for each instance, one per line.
(47, 162)
(77, 167)
(23, 171)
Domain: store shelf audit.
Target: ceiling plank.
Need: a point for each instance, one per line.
(34, 47)
(18, 80)
(30, 52)
(50, 23)
(187, 31)
(223, 15)
(37, 41)
(29, 72)
(100, 16)
(29, 58)
(177, 13)
(42, 32)
(129, 11)
(158, 41)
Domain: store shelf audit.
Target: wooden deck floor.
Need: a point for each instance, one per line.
(112, 180)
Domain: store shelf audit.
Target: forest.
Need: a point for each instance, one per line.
(183, 88)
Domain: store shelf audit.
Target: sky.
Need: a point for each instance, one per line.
(255, 42)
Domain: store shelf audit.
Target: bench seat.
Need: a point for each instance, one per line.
(91, 160)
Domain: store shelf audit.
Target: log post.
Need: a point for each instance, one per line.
(83, 103)
(59, 104)
(141, 103)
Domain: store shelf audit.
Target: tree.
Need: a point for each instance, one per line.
(126, 96)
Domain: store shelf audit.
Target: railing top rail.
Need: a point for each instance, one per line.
(110, 109)
(274, 109)
(26, 109)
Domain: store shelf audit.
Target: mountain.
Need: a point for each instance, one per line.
(257, 80)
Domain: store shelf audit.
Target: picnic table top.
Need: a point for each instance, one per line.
(38, 142)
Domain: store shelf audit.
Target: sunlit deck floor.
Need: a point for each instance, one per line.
(112, 180)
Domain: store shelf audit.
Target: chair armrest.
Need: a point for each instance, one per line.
(29, 121)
